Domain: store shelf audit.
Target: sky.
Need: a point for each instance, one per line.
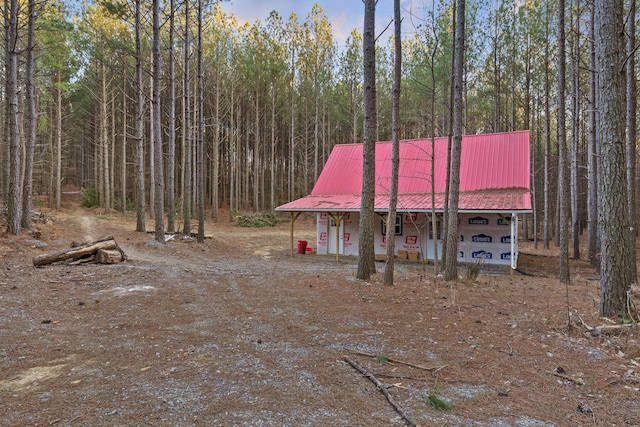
(344, 15)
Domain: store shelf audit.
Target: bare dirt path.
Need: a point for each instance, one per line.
(236, 332)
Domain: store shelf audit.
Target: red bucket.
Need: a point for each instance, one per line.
(302, 246)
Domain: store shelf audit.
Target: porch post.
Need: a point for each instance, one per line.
(294, 217)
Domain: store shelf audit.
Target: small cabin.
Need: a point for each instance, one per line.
(494, 190)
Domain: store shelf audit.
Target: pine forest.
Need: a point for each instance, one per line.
(176, 109)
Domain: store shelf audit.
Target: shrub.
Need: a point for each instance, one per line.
(257, 219)
(473, 270)
(89, 198)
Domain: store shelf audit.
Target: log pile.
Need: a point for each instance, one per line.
(105, 250)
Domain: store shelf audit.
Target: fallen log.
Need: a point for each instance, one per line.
(108, 256)
(105, 243)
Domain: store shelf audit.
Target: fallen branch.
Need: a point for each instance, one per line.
(382, 388)
(597, 331)
(402, 377)
(434, 369)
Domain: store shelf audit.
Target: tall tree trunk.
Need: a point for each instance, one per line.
(447, 185)
(547, 134)
(366, 249)
(256, 153)
(232, 156)
(171, 155)
(292, 141)
(32, 116)
(592, 158)
(4, 142)
(58, 143)
(104, 139)
(215, 155)
(140, 184)
(434, 219)
(528, 124)
(123, 153)
(14, 211)
(157, 172)
(200, 143)
(616, 272)
(575, 128)
(395, 157)
(272, 159)
(451, 256)
(631, 131)
(152, 139)
(112, 147)
(186, 181)
(562, 150)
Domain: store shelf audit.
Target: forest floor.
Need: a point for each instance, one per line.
(236, 332)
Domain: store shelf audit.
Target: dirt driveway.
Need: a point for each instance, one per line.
(235, 332)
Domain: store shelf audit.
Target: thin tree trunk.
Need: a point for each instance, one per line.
(157, 171)
(529, 125)
(232, 156)
(125, 130)
(575, 129)
(112, 147)
(32, 118)
(547, 134)
(273, 148)
(171, 155)
(631, 131)
(140, 184)
(366, 249)
(152, 139)
(562, 151)
(395, 157)
(256, 154)
(215, 155)
(592, 181)
(58, 143)
(186, 192)
(434, 219)
(104, 140)
(14, 211)
(201, 124)
(445, 212)
(292, 141)
(451, 263)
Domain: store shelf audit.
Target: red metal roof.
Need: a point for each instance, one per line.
(495, 176)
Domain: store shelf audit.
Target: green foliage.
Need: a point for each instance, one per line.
(437, 402)
(89, 198)
(257, 220)
(381, 358)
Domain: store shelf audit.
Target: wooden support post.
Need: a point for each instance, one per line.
(294, 217)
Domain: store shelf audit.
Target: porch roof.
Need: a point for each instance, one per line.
(511, 199)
